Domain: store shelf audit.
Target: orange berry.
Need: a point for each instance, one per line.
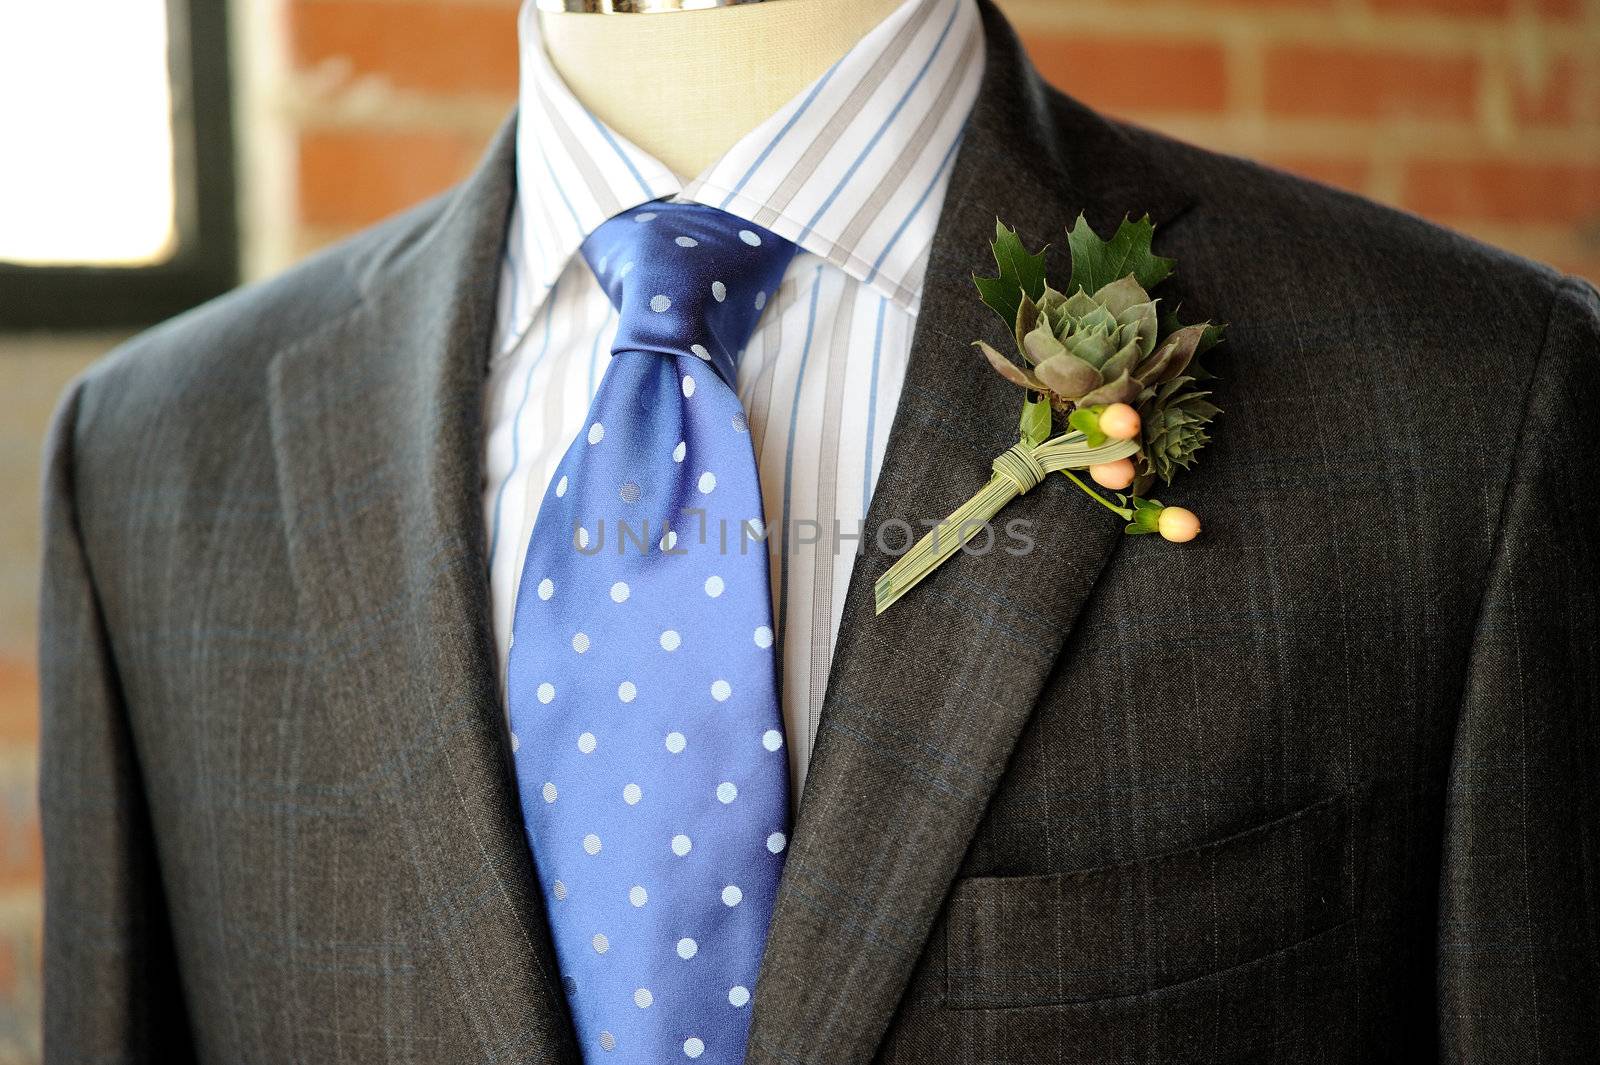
(1113, 475)
(1177, 524)
(1120, 422)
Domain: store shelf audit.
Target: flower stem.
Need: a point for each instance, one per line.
(1125, 513)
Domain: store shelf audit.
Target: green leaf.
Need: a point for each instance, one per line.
(1008, 369)
(1146, 516)
(1097, 263)
(1035, 423)
(1087, 422)
(1020, 273)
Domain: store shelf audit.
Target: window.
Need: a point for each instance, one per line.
(116, 161)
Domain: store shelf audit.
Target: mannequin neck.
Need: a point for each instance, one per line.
(686, 85)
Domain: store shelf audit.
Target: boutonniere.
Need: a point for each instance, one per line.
(1111, 387)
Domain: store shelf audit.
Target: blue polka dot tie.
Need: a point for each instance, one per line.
(642, 684)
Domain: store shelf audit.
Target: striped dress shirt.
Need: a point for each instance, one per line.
(853, 169)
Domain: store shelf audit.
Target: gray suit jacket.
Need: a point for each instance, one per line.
(1318, 787)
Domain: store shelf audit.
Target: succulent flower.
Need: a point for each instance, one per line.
(1085, 349)
(1174, 418)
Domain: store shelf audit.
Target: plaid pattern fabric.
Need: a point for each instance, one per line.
(1318, 787)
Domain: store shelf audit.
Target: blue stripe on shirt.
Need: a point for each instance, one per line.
(788, 464)
(516, 423)
(955, 9)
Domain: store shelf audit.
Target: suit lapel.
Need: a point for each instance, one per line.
(377, 430)
(925, 703)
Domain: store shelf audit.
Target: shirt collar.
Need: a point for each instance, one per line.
(847, 169)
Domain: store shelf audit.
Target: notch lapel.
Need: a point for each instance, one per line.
(377, 430)
(925, 703)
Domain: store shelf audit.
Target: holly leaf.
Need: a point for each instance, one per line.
(1035, 424)
(1020, 273)
(1096, 263)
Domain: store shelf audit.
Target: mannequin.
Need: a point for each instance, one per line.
(685, 88)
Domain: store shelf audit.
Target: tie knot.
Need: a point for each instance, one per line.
(687, 279)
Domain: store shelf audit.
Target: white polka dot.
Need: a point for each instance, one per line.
(750, 238)
(669, 541)
(693, 1047)
(561, 487)
(642, 998)
(738, 996)
(603, 260)
(549, 792)
(620, 592)
(772, 739)
(726, 792)
(586, 743)
(644, 216)
(719, 291)
(678, 452)
(547, 588)
(675, 742)
(581, 538)
(516, 744)
(714, 586)
(732, 896)
(776, 842)
(638, 896)
(720, 690)
(741, 424)
(700, 352)
(580, 642)
(763, 637)
(681, 844)
(631, 795)
(626, 691)
(630, 492)
(688, 386)
(627, 268)
(547, 691)
(708, 481)
(591, 843)
(687, 948)
(608, 1041)
(761, 300)
(659, 303)
(559, 889)
(686, 242)
(601, 943)
(597, 433)
(670, 640)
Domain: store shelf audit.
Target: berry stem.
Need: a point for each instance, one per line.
(1125, 513)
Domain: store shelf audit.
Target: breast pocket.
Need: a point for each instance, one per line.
(1140, 926)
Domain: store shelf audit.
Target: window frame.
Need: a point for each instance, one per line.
(205, 261)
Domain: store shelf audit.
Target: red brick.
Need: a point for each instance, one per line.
(1552, 100)
(1351, 174)
(21, 852)
(453, 48)
(1503, 191)
(1566, 10)
(1451, 8)
(1133, 73)
(19, 703)
(1328, 81)
(351, 177)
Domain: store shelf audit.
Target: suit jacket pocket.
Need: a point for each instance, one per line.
(1139, 926)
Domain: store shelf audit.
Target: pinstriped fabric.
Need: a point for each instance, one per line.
(853, 169)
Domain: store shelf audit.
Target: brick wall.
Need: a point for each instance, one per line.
(1483, 114)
